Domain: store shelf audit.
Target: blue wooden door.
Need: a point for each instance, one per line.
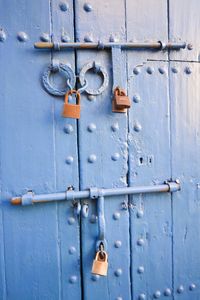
(152, 240)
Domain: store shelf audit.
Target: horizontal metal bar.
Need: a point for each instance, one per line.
(94, 193)
(100, 46)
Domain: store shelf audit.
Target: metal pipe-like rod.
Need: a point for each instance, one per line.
(100, 46)
(31, 198)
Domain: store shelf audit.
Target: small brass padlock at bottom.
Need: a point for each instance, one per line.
(72, 110)
(100, 263)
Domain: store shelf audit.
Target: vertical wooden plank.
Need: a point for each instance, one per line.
(103, 153)
(149, 153)
(66, 161)
(185, 108)
(2, 261)
(27, 155)
(184, 23)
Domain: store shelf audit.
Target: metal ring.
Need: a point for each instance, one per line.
(66, 71)
(101, 69)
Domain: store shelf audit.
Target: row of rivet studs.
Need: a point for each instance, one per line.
(151, 70)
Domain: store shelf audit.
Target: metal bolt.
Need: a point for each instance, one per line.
(136, 98)
(167, 292)
(137, 127)
(92, 158)
(93, 219)
(69, 160)
(65, 38)
(87, 7)
(118, 272)
(45, 37)
(192, 287)
(68, 129)
(71, 221)
(188, 70)
(140, 214)
(95, 277)
(115, 156)
(140, 242)
(161, 70)
(2, 35)
(73, 279)
(22, 36)
(64, 6)
(116, 215)
(140, 270)
(190, 46)
(115, 127)
(118, 244)
(174, 70)
(113, 39)
(88, 39)
(91, 97)
(150, 70)
(136, 71)
(91, 127)
(180, 289)
(142, 297)
(72, 250)
(157, 294)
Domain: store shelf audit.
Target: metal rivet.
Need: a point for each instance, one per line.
(87, 7)
(71, 221)
(92, 158)
(2, 35)
(69, 160)
(88, 39)
(167, 292)
(157, 294)
(136, 71)
(142, 297)
(91, 127)
(161, 70)
(136, 98)
(174, 70)
(113, 39)
(137, 127)
(188, 70)
(119, 298)
(73, 279)
(192, 287)
(118, 244)
(72, 250)
(116, 215)
(115, 127)
(95, 277)
(140, 242)
(22, 36)
(64, 6)
(45, 37)
(180, 289)
(68, 129)
(118, 272)
(140, 214)
(140, 270)
(115, 156)
(150, 70)
(190, 46)
(93, 219)
(91, 97)
(65, 38)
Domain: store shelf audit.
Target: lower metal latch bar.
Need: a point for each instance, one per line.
(94, 193)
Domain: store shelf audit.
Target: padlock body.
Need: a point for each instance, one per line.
(100, 267)
(122, 101)
(116, 109)
(71, 111)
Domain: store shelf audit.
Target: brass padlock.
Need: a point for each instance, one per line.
(120, 101)
(100, 263)
(72, 110)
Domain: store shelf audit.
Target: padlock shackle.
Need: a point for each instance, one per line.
(119, 92)
(71, 92)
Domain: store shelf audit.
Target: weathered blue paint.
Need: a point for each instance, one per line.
(47, 250)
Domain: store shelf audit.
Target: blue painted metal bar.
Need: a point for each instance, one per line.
(31, 198)
(100, 45)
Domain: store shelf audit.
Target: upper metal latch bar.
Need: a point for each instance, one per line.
(94, 193)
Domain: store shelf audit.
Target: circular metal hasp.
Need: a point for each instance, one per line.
(64, 70)
(97, 69)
